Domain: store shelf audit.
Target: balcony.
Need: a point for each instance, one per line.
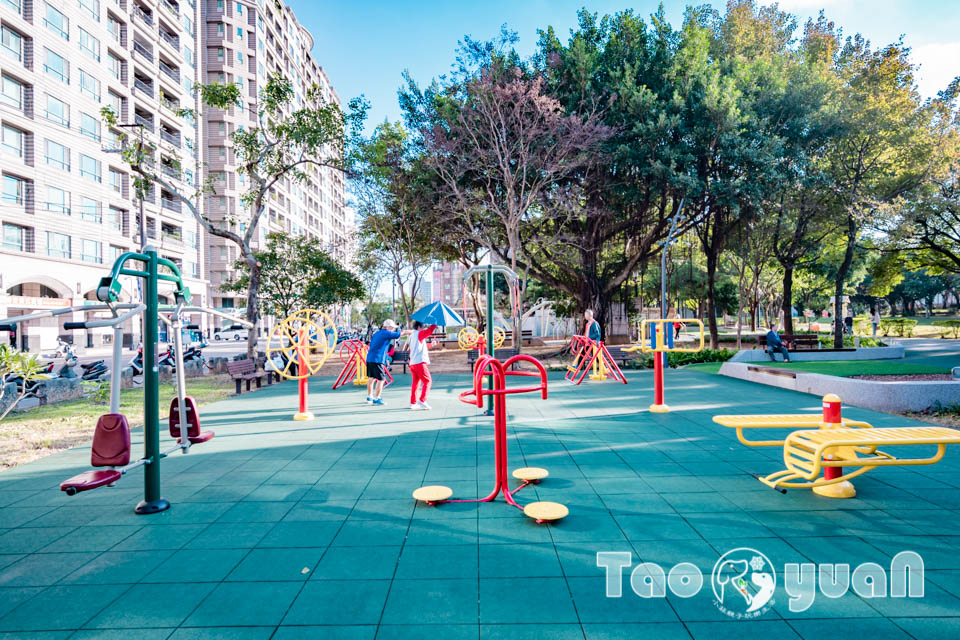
(171, 171)
(170, 137)
(171, 7)
(139, 12)
(143, 86)
(143, 121)
(170, 204)
(172, 73)
(143, 51)
(172, 40)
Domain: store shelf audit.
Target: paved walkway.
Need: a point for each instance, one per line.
(933, 352)
(307, 530)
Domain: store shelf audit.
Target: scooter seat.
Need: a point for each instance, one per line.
(203, 436)
(90, 480)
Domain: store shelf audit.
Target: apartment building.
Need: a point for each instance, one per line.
(68, 206)
(245, 42)
(448, 284)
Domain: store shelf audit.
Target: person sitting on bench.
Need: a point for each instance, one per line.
(774, 344)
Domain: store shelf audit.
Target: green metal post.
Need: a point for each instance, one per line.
(152, 502)
(490, 350)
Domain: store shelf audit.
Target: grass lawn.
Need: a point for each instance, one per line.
(38, 432)
(705, 367)
(848, 368)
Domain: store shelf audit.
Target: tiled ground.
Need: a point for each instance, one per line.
(307, 530)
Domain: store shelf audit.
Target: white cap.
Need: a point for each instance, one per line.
(389, 324)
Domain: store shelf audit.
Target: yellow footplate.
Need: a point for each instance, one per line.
(432, 493)
(530, 474)
(545, 511)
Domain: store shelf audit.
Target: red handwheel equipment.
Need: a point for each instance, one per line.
(497, 371)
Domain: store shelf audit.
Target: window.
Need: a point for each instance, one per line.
(57, 66)
(90, 251)
(115, 65)
(14, 189)
(190, 237)
(187, 23)
(188, 55)
(219, 53)
(58, 245)
(239, 9)
(92, 7)
(219, 28)
(89, 86)
(90, 210)
(89, 45)
(115, 219)
(58, 200)
(12, 43)
(58, 155)
(192, 269)
(89, 126)
(223, 253)
(58, 111)
(239, 32)
(12, 93)
(113, 26)
(57, 22)
(113, 252)
(116, 104)
(14, 237)
(12, 141)
(13, 4)
(239, 57)
(116, 180)
(90, 168)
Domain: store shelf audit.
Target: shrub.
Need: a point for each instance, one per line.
(826, 342)
(948, 327)
(683, 359)
(900, 326)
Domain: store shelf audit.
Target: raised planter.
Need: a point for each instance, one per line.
(893, 397)
(893, 352)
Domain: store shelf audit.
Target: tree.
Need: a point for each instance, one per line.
(884, 151)
(294, 136)
(391, 202)
(17, 364)
(296, 273)
(498, 142)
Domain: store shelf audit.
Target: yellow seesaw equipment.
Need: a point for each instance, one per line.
(829, 444)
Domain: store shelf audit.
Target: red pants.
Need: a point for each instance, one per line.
(421, 375)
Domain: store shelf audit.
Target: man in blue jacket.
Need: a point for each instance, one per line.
(775, 344)
(377, 359)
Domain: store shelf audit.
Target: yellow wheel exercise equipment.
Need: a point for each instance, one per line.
(305, 340)
(469, 338)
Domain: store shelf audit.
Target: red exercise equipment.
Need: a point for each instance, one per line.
(489, 366)
(194, 434)
(111, 448)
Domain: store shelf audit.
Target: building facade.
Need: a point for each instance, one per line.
(68, 206)
(448, 284)
(245, 42)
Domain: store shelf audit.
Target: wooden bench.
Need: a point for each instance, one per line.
(246, 370)
(795, 342)
(526, 336)
(401, 358)
(502, 355)
(620, 356)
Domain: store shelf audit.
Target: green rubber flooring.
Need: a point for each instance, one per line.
(283, 529)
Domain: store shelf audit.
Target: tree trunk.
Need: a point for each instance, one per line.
(253, 292)
(712, 299)
(788, 301)
(838, 283)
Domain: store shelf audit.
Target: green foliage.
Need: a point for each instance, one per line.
(296, 273)
(949, 328)
(897, 326)
(97, 390)
(21, 364)
(645, 361)
(826, 341)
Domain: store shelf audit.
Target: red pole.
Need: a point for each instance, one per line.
(832, 419)
(302, 370)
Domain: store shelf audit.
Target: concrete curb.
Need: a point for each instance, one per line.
(893, 352)
(892, 397)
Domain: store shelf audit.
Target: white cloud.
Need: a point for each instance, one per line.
(938, 66)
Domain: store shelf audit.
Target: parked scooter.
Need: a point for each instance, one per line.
(34, 388)
(94, 370)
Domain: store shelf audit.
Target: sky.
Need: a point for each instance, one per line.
(365, 45)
